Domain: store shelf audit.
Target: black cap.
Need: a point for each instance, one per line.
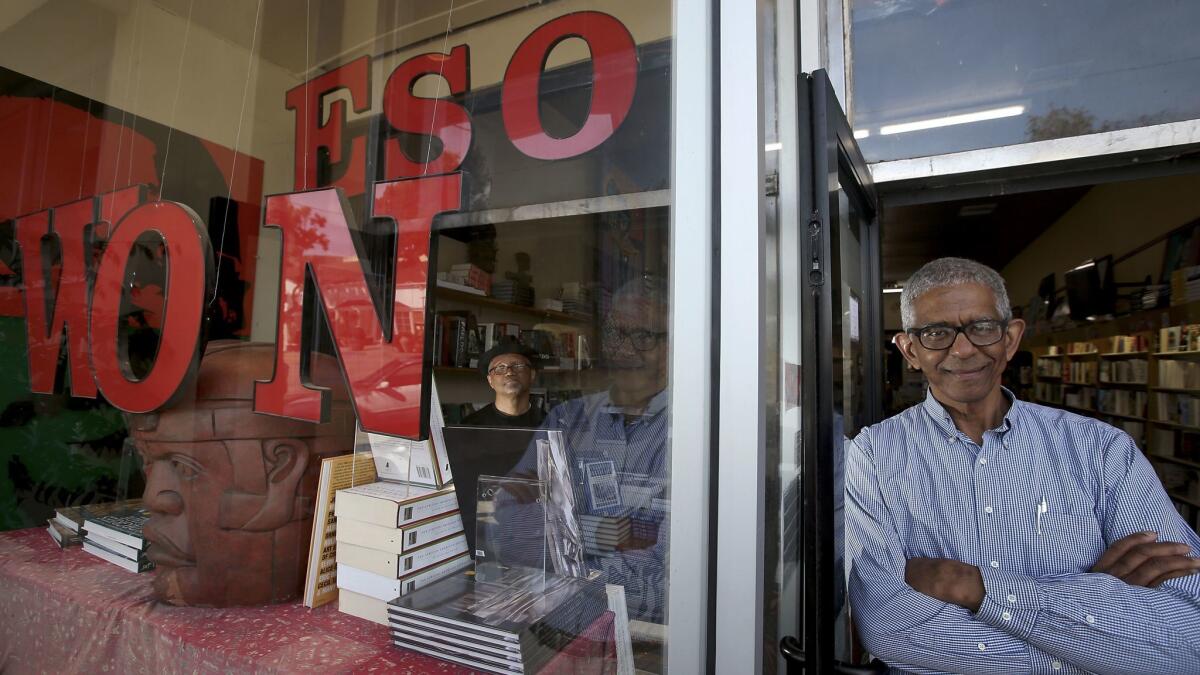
(505, 346)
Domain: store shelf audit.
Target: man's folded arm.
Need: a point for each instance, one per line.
(896, 623)
(1099, 622)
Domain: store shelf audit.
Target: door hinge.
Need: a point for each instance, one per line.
(816, 275)
(772, 185)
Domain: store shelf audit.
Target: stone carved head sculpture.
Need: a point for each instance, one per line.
(231, 491)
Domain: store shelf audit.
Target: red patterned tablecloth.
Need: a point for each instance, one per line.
(68, 611)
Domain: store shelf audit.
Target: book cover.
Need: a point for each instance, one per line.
(320, 582)
(396, 565)
(398, 540)
(394, 504)
(122, 523)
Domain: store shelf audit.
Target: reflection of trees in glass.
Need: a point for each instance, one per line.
(1064, 121)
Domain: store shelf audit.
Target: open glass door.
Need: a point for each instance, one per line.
(840, 362)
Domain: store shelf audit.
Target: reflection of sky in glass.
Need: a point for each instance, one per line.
(1070, 66)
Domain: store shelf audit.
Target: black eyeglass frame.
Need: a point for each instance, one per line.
(916, 333)
(515, 368)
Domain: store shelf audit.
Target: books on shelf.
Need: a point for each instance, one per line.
(1125, 371)
(320, 580)
(1182, 409)
(1175, 374)
(1182, 338)
(515, 624)
(1127, 344)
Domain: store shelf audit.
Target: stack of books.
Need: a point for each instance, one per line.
(113, 532)
(1185, 285)
(604, 534)
(515, 624)
(66, 526)
(576, 298)
(392, 539)
(513, 292)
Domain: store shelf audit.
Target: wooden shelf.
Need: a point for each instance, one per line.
(1174, 460)
(1119, 415)
(1177, 355)
(1050, 378)
(1122, 385)
(1195, 392)
(451, 370)
(1090, 411)
(1068, 383)
(486, 301)
(1050, 356)
(1173, 425)
(1183, 498)
(1084, 355)
(1123, 355)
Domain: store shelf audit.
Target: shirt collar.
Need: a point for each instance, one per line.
(941, 417)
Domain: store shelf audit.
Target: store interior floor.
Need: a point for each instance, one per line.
(1135, 361)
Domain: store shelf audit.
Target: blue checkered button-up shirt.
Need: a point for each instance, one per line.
(918, 487)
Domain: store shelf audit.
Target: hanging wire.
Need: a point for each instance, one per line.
(438, 99)
(87, 132)
(137, 15)
(307, 78)
(137, 93)
(237, 139)
(187, 29)
(46, 153)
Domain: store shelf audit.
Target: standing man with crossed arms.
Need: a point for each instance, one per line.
(991, 535)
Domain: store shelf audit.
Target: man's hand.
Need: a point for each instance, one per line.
(947, 580)
(1141, 560)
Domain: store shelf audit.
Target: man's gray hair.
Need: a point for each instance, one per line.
(945, 272)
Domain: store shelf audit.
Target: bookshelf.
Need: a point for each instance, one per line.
(1146, 382)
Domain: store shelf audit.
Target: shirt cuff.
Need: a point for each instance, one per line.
(1011, 602)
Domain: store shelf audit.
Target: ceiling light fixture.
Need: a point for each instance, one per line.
(951, 120)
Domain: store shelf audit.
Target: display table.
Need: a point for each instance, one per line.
(68, 611)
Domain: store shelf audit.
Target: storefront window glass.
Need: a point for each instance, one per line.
(238, 239)
(931, 77)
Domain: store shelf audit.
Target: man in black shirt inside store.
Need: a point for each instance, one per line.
(509, 370)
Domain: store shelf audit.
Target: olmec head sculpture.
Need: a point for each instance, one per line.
(230, 491)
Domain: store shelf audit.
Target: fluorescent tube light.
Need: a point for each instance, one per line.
(862, 133)
(951, 120)
(773, 147)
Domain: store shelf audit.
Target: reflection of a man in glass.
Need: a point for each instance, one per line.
(616, 447)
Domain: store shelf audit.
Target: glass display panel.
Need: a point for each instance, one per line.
(239, 241)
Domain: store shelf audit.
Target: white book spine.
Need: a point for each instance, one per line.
(427, 508)
(431, 555)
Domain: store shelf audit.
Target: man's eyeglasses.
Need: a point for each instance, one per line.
(506, 368)
(939, 336)
(641, 339)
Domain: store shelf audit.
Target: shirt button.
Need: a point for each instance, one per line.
(987, 509)
(1057, 665)
(1007, 616)
(982, 647)
(1012, 598)
(1089, 618)
(983, 460)
(994, 563)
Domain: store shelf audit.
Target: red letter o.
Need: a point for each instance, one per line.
(615, 70)
(189, 268)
